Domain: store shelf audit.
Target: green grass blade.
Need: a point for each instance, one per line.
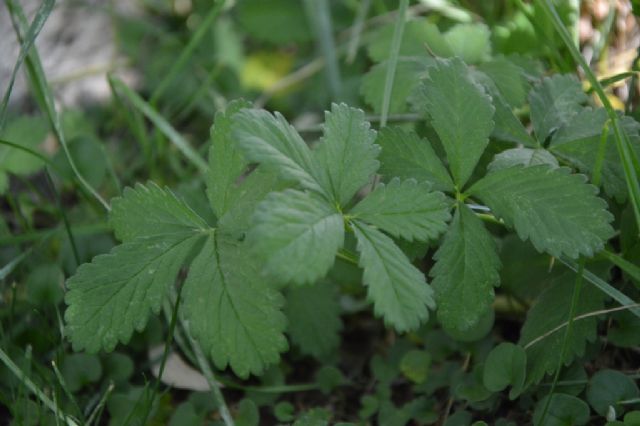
(95, 415)
(30, 151)
(161, 123)
(627, 156)
(356, 30)
(319, 17)
(575, 297)
(187, 52)
(393, 61)
(38, 22)
(629, 268)
(44, 95)
(8, 362)
(65, 389)
(607, 288)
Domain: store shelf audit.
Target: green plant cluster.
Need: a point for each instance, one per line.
(480, 245)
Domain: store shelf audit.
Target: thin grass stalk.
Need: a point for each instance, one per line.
(392, 62)
(161, 124)
(572, 313)
(30, 38)
(45, 96)
(35, 390)
(605, 287)
(356, 30)
(319, 17)
(187, 52)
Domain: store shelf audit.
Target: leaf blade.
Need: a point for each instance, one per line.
(460, 112)
(406, 155)
(148, 210)
(465, 293)
(405, 209)
(245, 329)
(268, 139)
(297, 235)
(113, 295)
(347, 152)
(399, 291)
(557, 211)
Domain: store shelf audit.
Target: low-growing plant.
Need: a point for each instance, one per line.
(468, 259)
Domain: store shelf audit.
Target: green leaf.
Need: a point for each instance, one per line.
(407, 210)
(416, 35)
(148, 210)
(29, 132)
(409, 72)
(232, 311)
(270, 140)
(506, 365)
(405, 155)
(347, 154)
(553, 102)
(507, 126)
(522, 157)
(297, 234)
(564, 410)
(226, 161)
(313, 314)
(278, 22)
(253, 189)
(469, 42)
(460, 112)
(80, 370)
(415, 365)
(398, 289)
(248, 413)
(557, 211)
(607, 388)
(113, 295)
(465, 272)
(578, 143)
(551, 310)
(509, 79)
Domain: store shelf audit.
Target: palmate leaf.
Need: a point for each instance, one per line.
(557, 211)
(313, 314)
(551, 310)
(149, 210)
(465, 272)
(268, 139)
(460, 112)
(347, 154)
(113, 295)
(398, 289)
(405, 209)
(232, 310)
(297, 235)
(405, 155)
